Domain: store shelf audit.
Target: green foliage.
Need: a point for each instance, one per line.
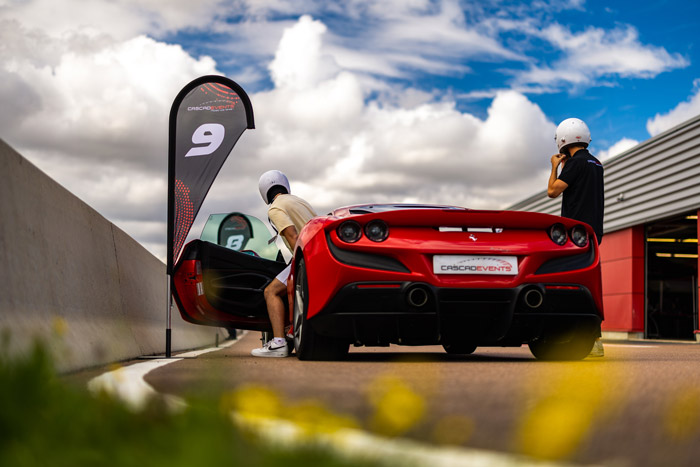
(44, 421)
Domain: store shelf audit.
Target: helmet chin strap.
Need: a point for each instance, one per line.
(277, 234)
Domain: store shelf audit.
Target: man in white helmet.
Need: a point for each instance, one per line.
(288, 214)
(581, 181)
(581, 177)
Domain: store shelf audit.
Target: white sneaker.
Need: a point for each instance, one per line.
(597, 350)
(267, 350)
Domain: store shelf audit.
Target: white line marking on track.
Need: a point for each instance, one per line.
(357, 444)
(128, 385)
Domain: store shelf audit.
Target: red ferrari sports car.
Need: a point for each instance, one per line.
(374, 275)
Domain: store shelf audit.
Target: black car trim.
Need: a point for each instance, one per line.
(365, 260)
(381, 315)
(567, 263)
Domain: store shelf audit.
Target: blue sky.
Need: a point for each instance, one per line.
(436, 101)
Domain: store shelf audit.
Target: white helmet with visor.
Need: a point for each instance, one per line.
(572, 131)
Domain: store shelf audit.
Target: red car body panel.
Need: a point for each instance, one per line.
(195, 307)
(217, 286)
(371, 293)
(414, 239)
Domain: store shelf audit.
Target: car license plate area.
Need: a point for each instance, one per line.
(475, 264)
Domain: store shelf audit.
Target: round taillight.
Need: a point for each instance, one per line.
(579, 236)
(557, 233)
(377, 230)
(349, 231)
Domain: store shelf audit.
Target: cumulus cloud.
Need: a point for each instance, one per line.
(682, 112)
(299, 63)
(94, 116)
(87, 89)
(96, 104)
(120, 19)
(595, 53)
(440, 44)
(340, 149)
(388, 39)
(92, 111)
(618, 148)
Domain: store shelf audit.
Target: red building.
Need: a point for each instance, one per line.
(650, 248)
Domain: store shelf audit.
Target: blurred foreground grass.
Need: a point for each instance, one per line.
(44, 421)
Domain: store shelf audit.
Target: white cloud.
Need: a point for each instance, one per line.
(98, 124)
(105, 103)
(595, 53)
(90, 106)
(388, 39)
(682, 112)
(338, 149)
(421, 35)
(92, 112)
(120, 19)
(343, 151)
(618, 148)
(299, 63)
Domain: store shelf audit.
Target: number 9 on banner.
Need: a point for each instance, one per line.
(211, 134)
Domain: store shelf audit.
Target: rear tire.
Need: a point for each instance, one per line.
(573, 344)
(308, 344)
(459, 348)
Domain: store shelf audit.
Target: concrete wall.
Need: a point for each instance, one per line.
(74, 280)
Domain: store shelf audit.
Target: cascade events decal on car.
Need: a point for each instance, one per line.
(475, 264)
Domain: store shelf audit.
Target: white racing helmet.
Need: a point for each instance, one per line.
(572, 131)
(270, 179)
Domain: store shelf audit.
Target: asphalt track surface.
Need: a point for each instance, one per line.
(639, 405)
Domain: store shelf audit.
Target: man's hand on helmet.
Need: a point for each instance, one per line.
(559, 159)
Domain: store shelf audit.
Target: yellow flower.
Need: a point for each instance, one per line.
(313, 417)
(554, 428)
(252, 401)
(397, 407)
(568, 402)
(60, 326)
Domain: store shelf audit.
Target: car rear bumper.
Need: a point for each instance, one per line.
(416, 313)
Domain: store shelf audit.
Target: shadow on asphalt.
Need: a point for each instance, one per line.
(425, 357)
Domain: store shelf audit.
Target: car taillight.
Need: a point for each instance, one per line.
(349, 231)
(377, 230)
(557, 233)
(579, 236)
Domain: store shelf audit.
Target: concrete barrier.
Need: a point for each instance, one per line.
(75, 281)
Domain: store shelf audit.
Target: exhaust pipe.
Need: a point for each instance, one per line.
(533, 298)
(417, 296)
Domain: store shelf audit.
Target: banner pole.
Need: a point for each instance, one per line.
(170, 228)
(168, 326)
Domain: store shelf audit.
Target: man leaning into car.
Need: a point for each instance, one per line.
(288, 214)
(580, 180)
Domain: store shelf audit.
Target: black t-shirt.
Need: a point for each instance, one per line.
(583, 198)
